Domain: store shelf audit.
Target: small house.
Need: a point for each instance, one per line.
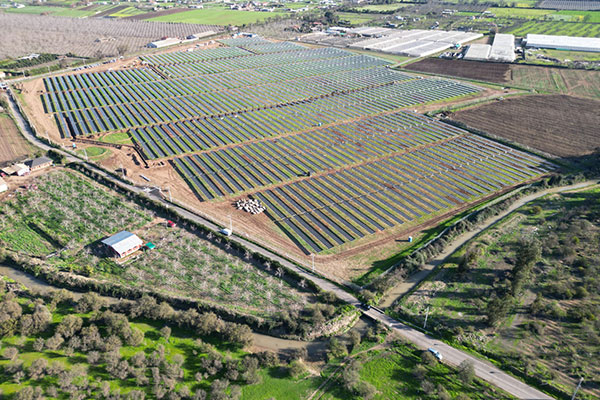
(3, 185)
(39, 163)
(123, 243)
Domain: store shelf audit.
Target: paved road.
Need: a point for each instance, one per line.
(451, 356)
(404, 287)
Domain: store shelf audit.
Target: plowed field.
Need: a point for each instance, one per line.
(560, 125)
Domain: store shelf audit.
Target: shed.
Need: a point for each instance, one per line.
(16, 169)
(3, 185)
(123, 243)
(39, 163)
(150, 246)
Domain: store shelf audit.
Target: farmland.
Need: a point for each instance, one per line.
(573, 82)
(217, 16)
(538, 316)
(545, 123)
(83, 37)
(64, 212)
(59, 213)
(13, 146)
(565, 28)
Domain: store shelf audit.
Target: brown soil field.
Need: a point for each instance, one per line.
(154, 14)
(13, 146)
(483, 71)
(559, 125)
(573, 82)
(110, 11)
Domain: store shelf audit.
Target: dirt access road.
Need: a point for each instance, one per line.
(404, 287)
(452, 356)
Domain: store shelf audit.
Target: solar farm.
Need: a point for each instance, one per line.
(325, 139)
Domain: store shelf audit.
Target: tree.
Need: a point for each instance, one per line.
(497, 309)
(428, 358)
(10, 353)
(89, 302)
(466, 371)
(165, 332)
(351, 376)
(69, 325)
(136, 337)
(365, 390)
(355, 339)
(296, 368)
(336, 348)
(122, 49)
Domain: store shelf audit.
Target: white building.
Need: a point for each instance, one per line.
(563, 43)
(163, 43)
(3, 185)
(478, 52)
(503, 48)
(123, 243)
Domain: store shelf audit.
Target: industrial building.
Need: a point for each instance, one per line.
(413, 43)
(123, 243)
(164, 43)
(503, 48)
(563, 43)
(478, 52)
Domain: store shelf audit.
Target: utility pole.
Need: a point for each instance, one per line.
(577, 388)
(230, 223)
(426, 316)
(313, 262)
(85, 152)
(170, 197)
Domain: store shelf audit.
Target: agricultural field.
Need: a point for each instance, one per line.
(483, 71)
(218, 16)
(573, 82)
(570, 4)
(544, 123)
(87, 37)
(564, 28)
(526, 291)
(184, 265)
(61, 209)
(13, 146)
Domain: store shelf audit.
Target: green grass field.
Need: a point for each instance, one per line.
(556, 28)
(117, 138)
(218, 16)
(383, 7)
(356, 18)
(56, 11)
(95, 153)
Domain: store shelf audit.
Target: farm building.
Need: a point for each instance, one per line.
(478, 52)
(123, 243)
(503, 48)
(163, 43)
(16, 169)
(563, 43)
(39, 163)
(3, 185)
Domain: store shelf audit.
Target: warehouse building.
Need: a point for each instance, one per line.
(478, 52)
(123, 244)
(563, 43)
(163, 43)
(503, 48)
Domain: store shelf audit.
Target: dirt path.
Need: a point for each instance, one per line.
(404, 287)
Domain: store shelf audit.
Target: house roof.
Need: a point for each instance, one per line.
(123, 241)
(39, 161)
(2, 181)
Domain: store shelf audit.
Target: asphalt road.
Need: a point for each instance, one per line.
(451, 356)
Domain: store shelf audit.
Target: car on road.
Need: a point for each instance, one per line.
(226, 231)
(364, 306)
(436, 353)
